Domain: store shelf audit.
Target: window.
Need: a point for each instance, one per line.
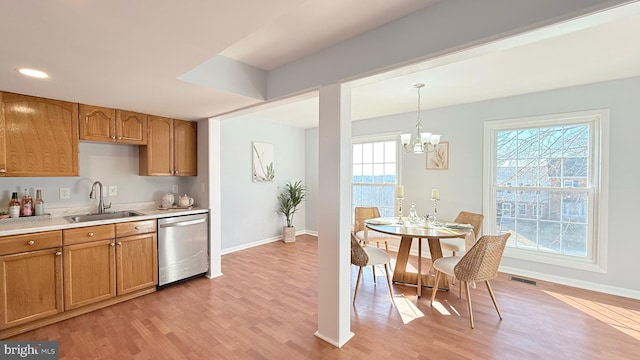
(374, 174)
(555, 160)
(522, 209)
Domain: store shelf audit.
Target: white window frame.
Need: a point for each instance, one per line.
(598, 196)
(380, 138)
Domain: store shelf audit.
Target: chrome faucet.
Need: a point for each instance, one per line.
(92, 195)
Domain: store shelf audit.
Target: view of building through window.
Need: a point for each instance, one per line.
(374, 175)
(543, 187)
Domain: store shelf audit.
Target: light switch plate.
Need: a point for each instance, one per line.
(113, 190)
(174, 188)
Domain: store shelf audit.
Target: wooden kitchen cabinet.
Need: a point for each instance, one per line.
(105, 261)
(30, 277)
(98, 123)
(136, 256)
(89, 265)
(38, 136)
(171, 148)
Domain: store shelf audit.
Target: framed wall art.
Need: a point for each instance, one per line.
(438, 157)
(262, 154)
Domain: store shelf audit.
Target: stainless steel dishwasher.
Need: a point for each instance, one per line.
(183, 247)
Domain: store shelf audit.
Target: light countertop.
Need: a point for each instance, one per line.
(57, 221)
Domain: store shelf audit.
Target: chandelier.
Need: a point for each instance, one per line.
(423, 139)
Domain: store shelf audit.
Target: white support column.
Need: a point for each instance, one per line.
(215, 217)
(334, 212)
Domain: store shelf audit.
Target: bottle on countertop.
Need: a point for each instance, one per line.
(14, 206)
(39, 203)
(27, 204)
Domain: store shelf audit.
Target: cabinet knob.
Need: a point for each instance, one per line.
(31, 242)
(112, 244)
(3, 170)
(137, 227)
(119, 137)
(58, 253)
(90, 234)
(119, 243)
(113, 138)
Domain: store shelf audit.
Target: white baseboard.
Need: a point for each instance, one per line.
(262, 242)
(581, 284)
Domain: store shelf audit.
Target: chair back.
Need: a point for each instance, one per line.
(481, 262)
(359, 257)
(363, 213)
(465, 217)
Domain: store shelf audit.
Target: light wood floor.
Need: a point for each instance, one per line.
(264, 307)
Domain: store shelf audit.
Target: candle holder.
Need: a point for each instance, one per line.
(434, 219)
(400, 221)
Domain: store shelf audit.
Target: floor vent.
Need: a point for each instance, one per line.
(526, 281)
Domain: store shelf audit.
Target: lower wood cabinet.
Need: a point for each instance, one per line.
(89, 273)
(54, 275)
(30, 286)
(136, 263)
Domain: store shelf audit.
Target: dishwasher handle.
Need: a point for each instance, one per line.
(183, 223)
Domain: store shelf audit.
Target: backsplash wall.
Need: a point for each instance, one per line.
(111, 164)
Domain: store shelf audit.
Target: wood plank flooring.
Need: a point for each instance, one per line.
(264, 307)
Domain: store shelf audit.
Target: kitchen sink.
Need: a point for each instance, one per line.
(105, 216)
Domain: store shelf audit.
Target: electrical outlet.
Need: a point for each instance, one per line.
(113, 190)
(65, 193)
(174, 188)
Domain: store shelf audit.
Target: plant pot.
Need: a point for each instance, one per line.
(288, 234)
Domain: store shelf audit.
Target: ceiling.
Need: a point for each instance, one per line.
(133, 54)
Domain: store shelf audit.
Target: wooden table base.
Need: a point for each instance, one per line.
(400, 273)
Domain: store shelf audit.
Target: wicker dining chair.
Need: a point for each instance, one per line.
(464, 217)
(363, 256)
(363, 213)
(480, 263)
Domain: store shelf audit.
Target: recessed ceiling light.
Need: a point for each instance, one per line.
(33, 73)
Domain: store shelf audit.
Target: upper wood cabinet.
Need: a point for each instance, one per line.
(171, 148)
(110, 125)
(38, 136)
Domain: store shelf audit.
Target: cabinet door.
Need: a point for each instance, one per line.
(186, 148)
(156, 158)
(97, 123)
(136, 263)
(41, 136)
(89, 273)
(30, 286)
(3, 143)
(131, 127)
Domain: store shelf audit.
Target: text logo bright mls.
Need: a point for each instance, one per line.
(33, 350)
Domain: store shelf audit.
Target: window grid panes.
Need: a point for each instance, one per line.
(544, 174)
(374, 175)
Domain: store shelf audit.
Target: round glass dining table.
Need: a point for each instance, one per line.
(419, 231)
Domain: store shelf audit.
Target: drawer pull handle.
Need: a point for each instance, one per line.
(112, 244)
(3, 170)
(58, 253)
(90, 234)
(119, 243)
(137, 227)
(31, 242)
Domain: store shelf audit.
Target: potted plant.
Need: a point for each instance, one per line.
(288, 200)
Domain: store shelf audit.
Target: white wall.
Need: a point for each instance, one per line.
(461, 185)
(311, 174)
(248, 209)
(111, 164)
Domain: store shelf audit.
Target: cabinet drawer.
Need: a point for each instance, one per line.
(28, 242)
(87, 234)
(135, 227)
